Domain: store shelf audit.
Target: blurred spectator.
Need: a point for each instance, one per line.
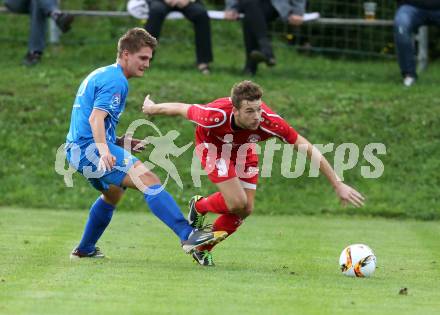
(257, 16)
(410, 15)
(39, 11)
(193, 10)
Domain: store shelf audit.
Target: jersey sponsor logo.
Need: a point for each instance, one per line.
(116, 100)
(254, 138)
(252, 171)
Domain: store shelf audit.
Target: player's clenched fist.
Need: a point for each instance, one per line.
(147, 108)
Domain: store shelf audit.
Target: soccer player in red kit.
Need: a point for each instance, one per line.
(226, 133)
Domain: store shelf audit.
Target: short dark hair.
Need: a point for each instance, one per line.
(134, 40)
(245, 91)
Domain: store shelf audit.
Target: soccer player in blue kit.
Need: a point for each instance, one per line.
(93, 149)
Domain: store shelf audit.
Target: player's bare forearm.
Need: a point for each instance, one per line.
(318, 159)
(170, 109)
(167, 109)
(345, 193)
(97, 125)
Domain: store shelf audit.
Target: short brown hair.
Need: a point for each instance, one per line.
(134, 40)
(245, 91)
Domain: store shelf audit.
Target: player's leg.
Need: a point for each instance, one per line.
(158, 199)
(233, 189)
(128, 171)
(234, 209)
(234, 201)
(100, 215)
(166, 209)
(230, 198)
(106, 182)
(250, 195)
(228, 222)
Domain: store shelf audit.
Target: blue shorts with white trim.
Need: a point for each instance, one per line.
(84, 158)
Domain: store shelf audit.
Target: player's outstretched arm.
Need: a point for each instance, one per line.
(345, 193)
(167, 109)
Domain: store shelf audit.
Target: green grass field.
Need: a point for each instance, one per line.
(284, 260)
(273, 265)
(327, 100)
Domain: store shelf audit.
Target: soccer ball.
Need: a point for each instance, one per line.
(357, 260)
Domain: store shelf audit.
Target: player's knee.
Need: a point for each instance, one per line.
(148, 178)
(111, 199)
(113, 195)
(238, 205)
(248, 211)
(245, 212)
(140, 177)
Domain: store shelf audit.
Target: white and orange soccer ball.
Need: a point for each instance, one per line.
(357, 260)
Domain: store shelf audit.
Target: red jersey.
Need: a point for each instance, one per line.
(214, 122)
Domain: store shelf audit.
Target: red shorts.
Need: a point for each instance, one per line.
(220, 169)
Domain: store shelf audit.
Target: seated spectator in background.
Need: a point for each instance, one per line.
(257, 16)
(194, 11)
(410, 15)
(39, 11)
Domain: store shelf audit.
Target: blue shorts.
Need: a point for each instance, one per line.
(84, 158)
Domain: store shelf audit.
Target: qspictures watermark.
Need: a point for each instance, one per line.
(163, 148)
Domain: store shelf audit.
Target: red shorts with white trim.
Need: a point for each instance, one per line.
(220, 169)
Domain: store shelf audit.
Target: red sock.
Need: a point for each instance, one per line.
(226, 222)
(213, 203)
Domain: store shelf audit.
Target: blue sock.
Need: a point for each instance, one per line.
(99, 217)
(166, 209)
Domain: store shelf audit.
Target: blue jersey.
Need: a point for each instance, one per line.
(106, 89)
